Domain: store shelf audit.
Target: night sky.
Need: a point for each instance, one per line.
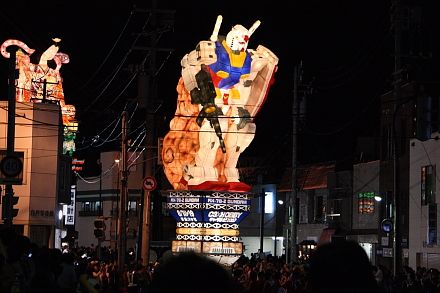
(345, 47)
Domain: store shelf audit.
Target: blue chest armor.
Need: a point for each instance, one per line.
(223, 64)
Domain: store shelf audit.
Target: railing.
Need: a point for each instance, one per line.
(89, 213)
(130, 213)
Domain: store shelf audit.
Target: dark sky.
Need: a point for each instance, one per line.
(345, 48)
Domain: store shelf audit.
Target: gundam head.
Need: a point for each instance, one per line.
(237, 39)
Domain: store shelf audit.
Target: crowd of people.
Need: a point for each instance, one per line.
(334, 267)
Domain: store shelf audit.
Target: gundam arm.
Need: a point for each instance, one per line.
(256, 85)
(191, 63)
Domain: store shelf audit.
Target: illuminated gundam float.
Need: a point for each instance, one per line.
(222, 88)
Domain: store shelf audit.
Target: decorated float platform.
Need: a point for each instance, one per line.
(208, 222)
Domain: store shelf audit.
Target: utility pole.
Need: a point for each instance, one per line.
(123, 198)
(9, 191)
(397, 25)
(147, 91)
(293, 198)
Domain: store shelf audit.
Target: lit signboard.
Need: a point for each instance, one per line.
(186, 215)
(208, 247)
(209, 216)
(69, 210)
(225, 216)
(209, 201)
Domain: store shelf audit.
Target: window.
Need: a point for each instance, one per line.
(428, 185)
(335, 207)
(132, 208)
(319, 208)
(91, 206)
(132, 205)
(432, 224)
(366, 202)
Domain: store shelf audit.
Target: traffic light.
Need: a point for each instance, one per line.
(8, 203)
(99, 228)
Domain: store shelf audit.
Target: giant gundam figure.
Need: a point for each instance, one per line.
(223, 86)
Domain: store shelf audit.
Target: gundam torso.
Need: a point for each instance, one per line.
(230, 66)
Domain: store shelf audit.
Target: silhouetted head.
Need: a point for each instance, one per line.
(341, 267)
(191, 273)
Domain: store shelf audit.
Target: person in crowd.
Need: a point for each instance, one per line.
(191, 273)
(341, 267)
(47, 269)
(87, 283)
(67, 280)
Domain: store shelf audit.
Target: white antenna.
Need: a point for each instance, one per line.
(254, 27)
(218, 23)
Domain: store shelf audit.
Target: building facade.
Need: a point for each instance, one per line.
(98, 198)
(43, 190)
(424, 245)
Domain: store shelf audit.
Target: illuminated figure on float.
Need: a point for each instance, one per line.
(39, 80)
(222, 87)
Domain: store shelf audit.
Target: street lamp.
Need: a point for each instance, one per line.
(378, 198)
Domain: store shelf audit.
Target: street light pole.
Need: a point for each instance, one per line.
(262, 204)
(278, 204)
(98, 251)
(275, 240)
(294, 195)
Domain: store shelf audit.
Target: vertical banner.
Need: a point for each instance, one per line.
(69, 210)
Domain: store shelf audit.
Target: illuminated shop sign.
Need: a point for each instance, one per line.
(366, 202)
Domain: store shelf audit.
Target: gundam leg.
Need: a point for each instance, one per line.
(236, 142)
(204, 169)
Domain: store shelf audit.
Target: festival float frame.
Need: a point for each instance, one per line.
(222, 87)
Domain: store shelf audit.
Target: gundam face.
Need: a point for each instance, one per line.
(238, 38)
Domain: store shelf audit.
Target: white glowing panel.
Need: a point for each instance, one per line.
(268, 202)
